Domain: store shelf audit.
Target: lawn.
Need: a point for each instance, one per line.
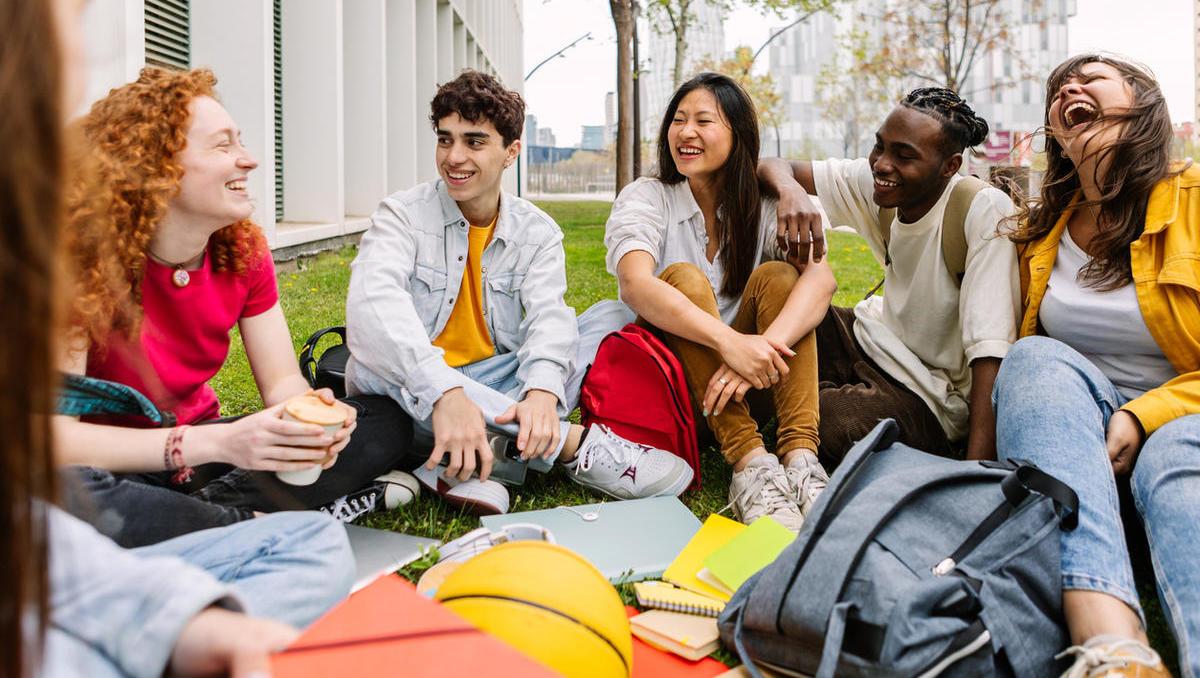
(314, 297)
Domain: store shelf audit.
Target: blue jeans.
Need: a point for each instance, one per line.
(494, 386)
(1052, 408)
(289, 566)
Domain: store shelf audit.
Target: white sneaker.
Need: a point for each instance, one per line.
(479, 497)
(806, 479)
(399, 488)
(1112, 655)
(626, 470)
(761, 489)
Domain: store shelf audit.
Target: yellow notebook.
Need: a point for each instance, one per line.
(687, 635)
(716, 531)
(664, 596)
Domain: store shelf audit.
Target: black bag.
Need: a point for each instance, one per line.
(914, 565)
(329, 370)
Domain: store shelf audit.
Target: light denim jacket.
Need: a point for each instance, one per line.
(127, 607)
(407, 277)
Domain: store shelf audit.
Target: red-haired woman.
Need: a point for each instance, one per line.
(168, 263)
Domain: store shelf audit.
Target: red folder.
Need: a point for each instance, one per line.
(651, 662)
(387, 628)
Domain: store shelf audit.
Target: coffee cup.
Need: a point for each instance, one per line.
(310, 409)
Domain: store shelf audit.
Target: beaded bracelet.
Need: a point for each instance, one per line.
(173, 456)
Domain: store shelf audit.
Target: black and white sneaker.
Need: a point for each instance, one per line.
(389, 491)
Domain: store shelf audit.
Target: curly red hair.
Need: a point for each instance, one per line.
(131, 140)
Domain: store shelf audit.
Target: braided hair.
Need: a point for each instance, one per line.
(961, 127)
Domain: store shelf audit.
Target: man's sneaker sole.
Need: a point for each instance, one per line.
(399, 488)
(481, 498)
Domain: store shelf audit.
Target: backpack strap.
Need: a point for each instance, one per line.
(307, 361)
(954, 224)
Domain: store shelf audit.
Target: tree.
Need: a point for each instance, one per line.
(856, 99)
(624, 14)
(761, 88)
(939, 42)
(677, 16)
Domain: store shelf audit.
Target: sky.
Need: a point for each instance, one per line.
(568, 91)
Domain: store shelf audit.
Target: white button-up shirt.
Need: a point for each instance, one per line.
(664, 220)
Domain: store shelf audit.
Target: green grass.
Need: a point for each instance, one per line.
(314, 297)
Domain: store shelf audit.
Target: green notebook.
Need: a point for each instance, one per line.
(751, 550)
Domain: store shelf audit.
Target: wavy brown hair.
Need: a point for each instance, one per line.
(738, 203)
(31, 166)
(133, 137)
(1136, 161)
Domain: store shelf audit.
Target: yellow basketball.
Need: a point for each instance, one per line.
(548, 602)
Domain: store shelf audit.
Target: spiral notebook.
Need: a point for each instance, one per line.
(662, 595)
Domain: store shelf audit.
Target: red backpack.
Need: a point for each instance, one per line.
(636, 388)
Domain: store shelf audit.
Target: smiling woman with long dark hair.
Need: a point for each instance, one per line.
(1104, 390)
(695, 255)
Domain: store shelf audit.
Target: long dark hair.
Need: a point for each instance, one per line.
(1136, 161)
(30, 176)
(737, 192)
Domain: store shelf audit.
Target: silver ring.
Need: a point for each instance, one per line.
(722, 381)
(797, 238)
(773, 376)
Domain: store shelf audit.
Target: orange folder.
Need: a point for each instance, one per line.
(651, 662)
(387, 628)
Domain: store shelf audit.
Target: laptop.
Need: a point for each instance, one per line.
(379, 552)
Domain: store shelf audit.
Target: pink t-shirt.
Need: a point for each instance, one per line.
(185, 337)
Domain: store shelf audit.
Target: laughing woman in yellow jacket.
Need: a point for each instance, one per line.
(1104, 390)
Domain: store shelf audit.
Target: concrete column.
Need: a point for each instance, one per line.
(368, 91)
(116, 46)
(460, 44)
(472, 59)
(445, 42)
(313, 124)
(235, 39)
(428, 75)
(404, 63)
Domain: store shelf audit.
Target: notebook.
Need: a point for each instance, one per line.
(690, 636)
(379, 552)
(651, 662)
(747, 553)
(662, 595)
(627, 541)
(389, 629)
(717, 530)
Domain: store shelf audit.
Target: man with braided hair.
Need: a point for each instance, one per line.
(925, 353)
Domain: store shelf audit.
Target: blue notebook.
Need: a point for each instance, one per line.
(627, 541)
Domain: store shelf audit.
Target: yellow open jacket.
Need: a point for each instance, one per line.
(1166, 273)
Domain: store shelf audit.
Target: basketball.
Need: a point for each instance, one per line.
(548, 602)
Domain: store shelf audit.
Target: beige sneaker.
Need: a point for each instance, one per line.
(806, 479)
(761, 489)
(1111, 655)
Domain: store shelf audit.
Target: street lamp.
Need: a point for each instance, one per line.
(543, 62)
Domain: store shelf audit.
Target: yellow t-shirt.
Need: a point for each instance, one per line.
(465, 338)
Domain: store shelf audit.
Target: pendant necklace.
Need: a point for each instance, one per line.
(179, 276)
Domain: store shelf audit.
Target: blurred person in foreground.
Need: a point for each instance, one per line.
(72, 603)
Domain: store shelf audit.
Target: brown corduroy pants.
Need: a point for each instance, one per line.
(793, 402)
(856, 394)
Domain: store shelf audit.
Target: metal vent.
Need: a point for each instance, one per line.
(167, 41)
(278, 85)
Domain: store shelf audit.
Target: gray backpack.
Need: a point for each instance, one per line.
(911, 564)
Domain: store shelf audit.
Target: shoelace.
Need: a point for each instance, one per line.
(588, 455)
(809, 485)
(1090, 660)
(770, 487)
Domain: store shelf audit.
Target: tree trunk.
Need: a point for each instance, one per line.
(622, 14)
(681, 45)
(637, 102)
